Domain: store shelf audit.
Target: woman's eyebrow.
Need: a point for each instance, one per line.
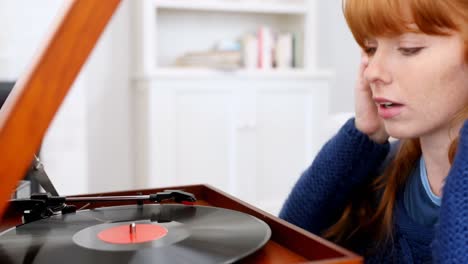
(417, 37)
(370, 41)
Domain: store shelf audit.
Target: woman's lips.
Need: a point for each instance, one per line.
(389, 112)
(388, 108)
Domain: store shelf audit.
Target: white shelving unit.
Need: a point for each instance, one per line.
(269, 7)
(248, 132)
(203, 73)
(166, 29)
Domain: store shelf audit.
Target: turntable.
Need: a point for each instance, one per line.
(182, 224)
(216, 228)
(138, 233)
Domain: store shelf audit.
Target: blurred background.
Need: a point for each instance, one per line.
(238, 94)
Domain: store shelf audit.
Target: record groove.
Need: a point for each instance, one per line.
(196, 234)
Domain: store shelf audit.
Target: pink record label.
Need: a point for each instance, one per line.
(126, 234)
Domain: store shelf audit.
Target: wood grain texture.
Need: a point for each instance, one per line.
(38, 94)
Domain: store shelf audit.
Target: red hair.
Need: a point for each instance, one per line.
(372, 18)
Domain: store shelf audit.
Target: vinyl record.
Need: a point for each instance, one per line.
(136, 234)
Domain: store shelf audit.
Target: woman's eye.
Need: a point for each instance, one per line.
(410, 51)
(370, 50)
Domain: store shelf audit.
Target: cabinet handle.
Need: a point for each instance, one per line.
(246, 125)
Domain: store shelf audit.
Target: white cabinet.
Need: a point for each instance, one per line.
(248, 132)
(251, 138)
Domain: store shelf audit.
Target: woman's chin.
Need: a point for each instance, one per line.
(401, 132)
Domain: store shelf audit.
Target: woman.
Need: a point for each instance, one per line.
(405, 202)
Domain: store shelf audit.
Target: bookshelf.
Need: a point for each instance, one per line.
(200, 73)
(269, 7)
(247, 131)
(167, 29)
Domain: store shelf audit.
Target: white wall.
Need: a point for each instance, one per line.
(338, 51)
(23, 24)
(109, 107)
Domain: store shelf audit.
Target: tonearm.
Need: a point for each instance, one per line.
(43, 205)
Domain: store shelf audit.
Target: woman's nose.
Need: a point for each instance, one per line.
(377, 70)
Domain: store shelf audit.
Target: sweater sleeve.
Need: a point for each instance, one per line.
(323, 190)
(451, 238)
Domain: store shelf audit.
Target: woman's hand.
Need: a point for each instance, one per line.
(367, 118)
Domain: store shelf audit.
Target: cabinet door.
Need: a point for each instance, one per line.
(190, 134)
(287, 135)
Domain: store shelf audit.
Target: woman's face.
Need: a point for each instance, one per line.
(424, 77)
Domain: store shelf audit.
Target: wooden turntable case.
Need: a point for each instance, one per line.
(36, 97)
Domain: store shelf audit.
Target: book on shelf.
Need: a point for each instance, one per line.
(284, 51)
(250, 51)
(211, 59)
(263, 50)
(275, 50)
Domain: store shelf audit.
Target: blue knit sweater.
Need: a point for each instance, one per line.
(347, 162)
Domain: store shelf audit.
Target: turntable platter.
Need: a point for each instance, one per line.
(166, 233)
